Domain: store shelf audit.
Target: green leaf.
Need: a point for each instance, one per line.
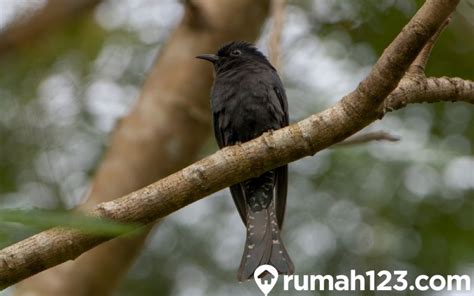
(43, 219)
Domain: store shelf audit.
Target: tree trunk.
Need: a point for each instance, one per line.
(163, 133)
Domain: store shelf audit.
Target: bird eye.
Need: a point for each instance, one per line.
(235, 52)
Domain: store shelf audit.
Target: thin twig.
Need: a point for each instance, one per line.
(367, 137)
(278, 19)
(419, 64)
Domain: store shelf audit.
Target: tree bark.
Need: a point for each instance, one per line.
(237, 163)
(164, 132)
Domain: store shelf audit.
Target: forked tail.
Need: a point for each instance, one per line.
(263, 244)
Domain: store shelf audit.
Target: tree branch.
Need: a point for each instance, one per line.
(236, 163)
(428, 90)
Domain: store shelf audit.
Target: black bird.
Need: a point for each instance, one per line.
(247, 100)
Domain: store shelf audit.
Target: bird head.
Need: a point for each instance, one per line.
(234, 54)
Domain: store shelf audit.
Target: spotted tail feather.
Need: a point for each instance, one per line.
(263, 244)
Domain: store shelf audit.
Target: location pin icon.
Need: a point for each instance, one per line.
(265, 285)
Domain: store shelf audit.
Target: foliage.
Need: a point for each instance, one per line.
(38, 219)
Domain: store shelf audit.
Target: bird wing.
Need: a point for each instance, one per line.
(218, 131)
(237, 193)
(281, 189)
(236, 190)
(281, 96)
(281, 186)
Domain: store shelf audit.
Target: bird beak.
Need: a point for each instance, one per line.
(208, 57)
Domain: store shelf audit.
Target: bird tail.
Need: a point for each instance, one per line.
(263, 244)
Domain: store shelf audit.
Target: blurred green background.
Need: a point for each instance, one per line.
(405, 205)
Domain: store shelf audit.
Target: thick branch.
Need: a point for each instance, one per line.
(234, 164)
(22, 31)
